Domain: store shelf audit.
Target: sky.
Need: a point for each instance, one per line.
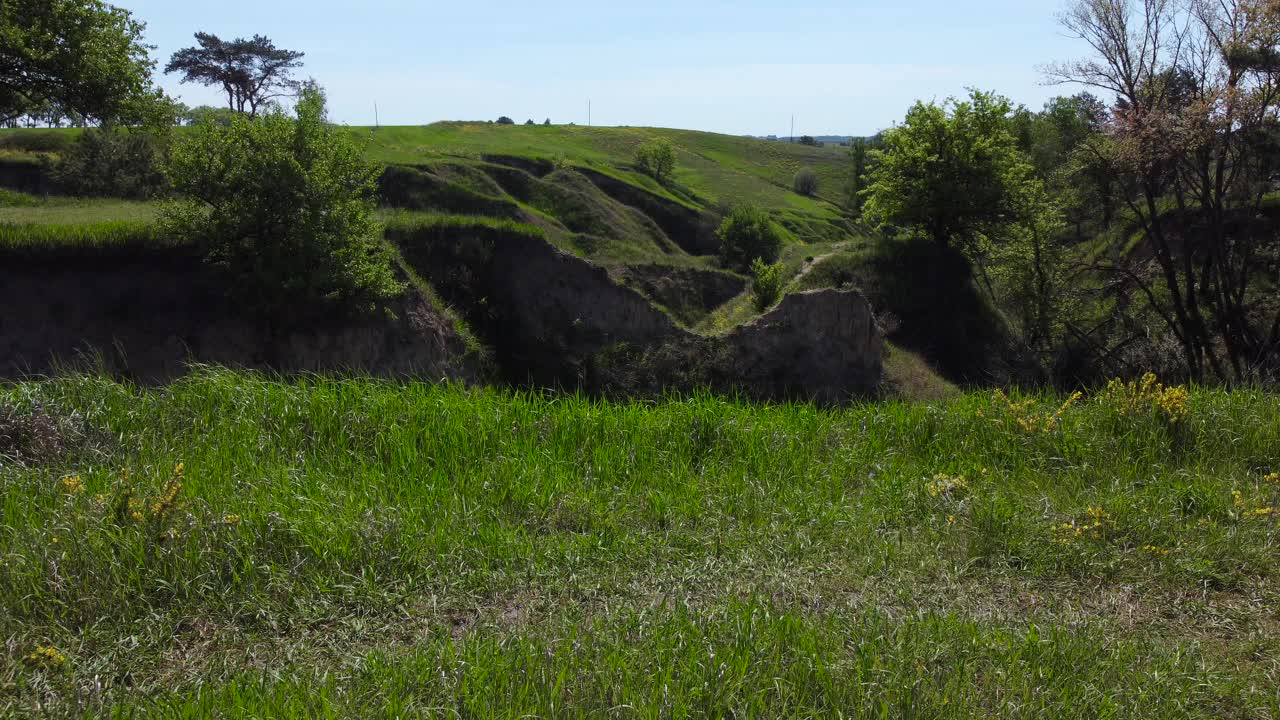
(743, 67)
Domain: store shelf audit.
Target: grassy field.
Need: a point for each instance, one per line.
(353, 548)
(716, 167)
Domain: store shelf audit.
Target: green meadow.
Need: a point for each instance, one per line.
(237, 545)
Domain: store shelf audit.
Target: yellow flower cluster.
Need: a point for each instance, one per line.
(1148, 395)
(1156, 550)
(46, 656)
(72, 485)
(169, 497)
(1272, 479)
(1033, 422)
(1255, 512)
(231, 520)
(946, 485)
(1093, 525)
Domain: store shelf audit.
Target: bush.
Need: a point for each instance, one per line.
(656, 158)
(766, 289)
(114, 163)
(747, 234)
(806, 182)
(504, 120)
(286, 207)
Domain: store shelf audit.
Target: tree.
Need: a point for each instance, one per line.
(806, 182)
(1192, 144)
(859, 165)
(953, 172)
(286, 207)
(251, 72)
(504, 120)
(656, 158)
(766, 284)
(547, 122)
(808, 140)
(83, 57)
(746, 235)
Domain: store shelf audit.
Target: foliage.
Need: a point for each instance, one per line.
(806, 182)
(207, 114)
(859, 167)
(766, 285)
(252, 72)
(808, 140)
(1190, 146)
(748, 234)
(104, 162)
(656, 158)
(955, 173)
(286, 207)
(504, 120)
(76, 56)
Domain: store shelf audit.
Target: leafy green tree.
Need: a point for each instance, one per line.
(954, 172)
(84, 57)
(504, 120)
(252, 72)
(286, 207)
(114, 162)
(766, 285)
(748, 234)
(656, 158)
(859, 165)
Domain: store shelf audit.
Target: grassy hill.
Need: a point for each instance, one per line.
(355, 548)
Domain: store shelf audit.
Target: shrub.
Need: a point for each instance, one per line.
(504, 120)
(766, 288)
(286, 207)
(747, 234)
(806, 182)
(114, 163)
(656, 158)
(808, 140)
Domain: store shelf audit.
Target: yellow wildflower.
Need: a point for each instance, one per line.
(944, 484)
(1156, 550)
(1237, 499)
(231, 520)
(46, 656)
(72, 485)
(1273, 478)
(951, 519)
(1261, 512)
(169, 497)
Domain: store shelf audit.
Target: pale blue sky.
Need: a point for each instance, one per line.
(733, 66)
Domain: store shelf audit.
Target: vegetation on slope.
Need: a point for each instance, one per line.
(329, 548)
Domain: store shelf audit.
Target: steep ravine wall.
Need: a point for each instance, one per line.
(555, 319)
(147, 315)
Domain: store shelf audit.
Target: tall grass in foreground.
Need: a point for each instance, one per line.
(361, 548)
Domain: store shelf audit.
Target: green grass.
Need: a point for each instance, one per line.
(21, 208)
(69, 240)
(350, 548)
(715, 167)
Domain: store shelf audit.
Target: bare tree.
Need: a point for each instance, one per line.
(1192, 143)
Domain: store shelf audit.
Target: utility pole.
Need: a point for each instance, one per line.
(588, 113)
(376, 124)
(792, 137)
